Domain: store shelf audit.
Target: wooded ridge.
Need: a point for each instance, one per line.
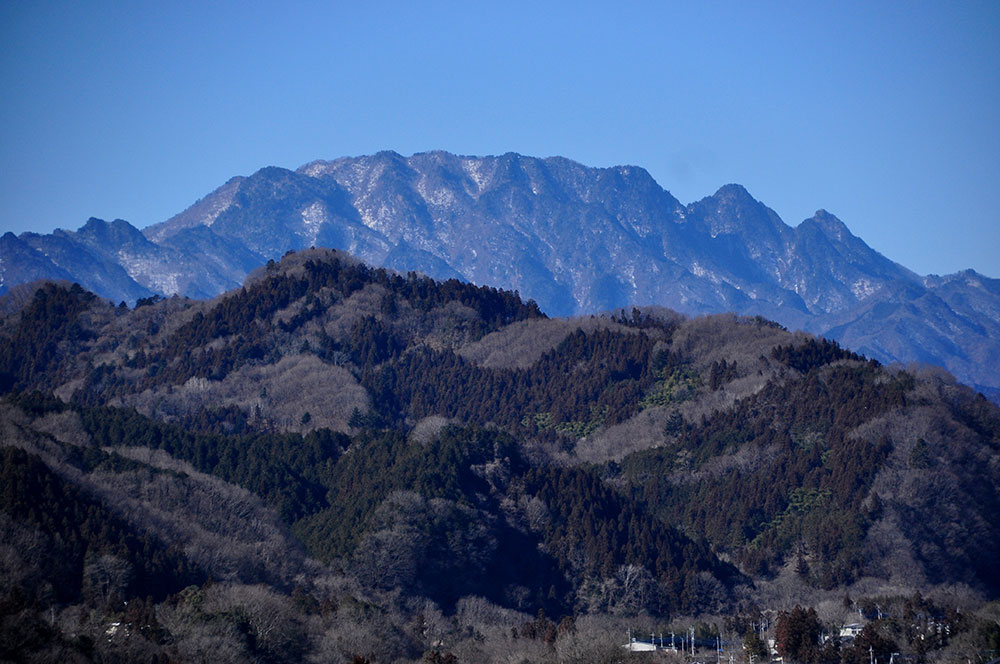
(339, 460)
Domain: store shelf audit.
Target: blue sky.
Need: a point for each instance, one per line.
(886, 114)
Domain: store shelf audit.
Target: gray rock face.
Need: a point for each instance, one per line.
(575, 239)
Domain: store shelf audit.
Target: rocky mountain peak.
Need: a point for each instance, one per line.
(733, 211)
(104, 235)
(830, 226)
(735, 192)
(202, 213)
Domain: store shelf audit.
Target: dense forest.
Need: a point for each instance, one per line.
(337, 461)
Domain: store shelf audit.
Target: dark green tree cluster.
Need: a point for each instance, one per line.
(372, 342)
(722, 373)
(588, 519)
(814, 487)
(603, 374)
(641, 319)
(812, 354)
(797, 637)
(289, 471)
(97, 553)
(382, 462)
(458, 547)
(48, 334)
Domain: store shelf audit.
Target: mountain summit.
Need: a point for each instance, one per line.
(575, 239)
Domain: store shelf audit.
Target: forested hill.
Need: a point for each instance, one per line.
(337, 440)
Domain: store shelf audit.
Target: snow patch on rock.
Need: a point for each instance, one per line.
(862, 288)
(150, 273)
(313, 219)
(440, 197)
(474, 169)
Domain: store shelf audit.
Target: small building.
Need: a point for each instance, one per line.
(851, 631)
(652, 645)
(639, 646)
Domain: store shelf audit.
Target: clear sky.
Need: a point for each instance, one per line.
(886, 114)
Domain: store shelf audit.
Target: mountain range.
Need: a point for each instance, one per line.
(337, 462)
(575, 239)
